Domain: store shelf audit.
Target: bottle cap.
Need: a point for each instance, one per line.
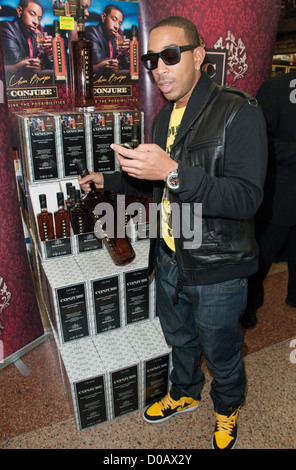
(134, 30)
(80, 15)
(72, 192)
(77, 195)
(60, 199)
(68, 186)
(42, 200)
(56, 26)
(81, 167)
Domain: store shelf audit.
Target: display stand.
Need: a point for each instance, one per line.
(112, 354)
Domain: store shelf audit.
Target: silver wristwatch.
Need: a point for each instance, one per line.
(172, 179)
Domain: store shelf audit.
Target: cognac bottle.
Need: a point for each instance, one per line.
(59, 55)
(79, 216)
(82, 67)
(45, 220)
(134, 55)
(120, 249)
(62, 218)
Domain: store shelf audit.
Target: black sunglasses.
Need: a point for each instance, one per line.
(170, 56)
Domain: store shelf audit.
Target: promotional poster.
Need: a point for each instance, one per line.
(37, 46)
(20, 321)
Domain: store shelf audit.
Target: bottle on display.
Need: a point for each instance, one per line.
(45, 220)
(134, 55)
(62, 218)
(82, 67)
(59, 55)
(68, 193)
(70, 197)
(120, 249)
(79, 217)
(136, 135)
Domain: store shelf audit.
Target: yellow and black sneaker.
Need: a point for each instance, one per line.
(168, 407)
(225, 434)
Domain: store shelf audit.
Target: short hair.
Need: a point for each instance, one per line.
(190, 31)
(24, 3)
(109, 8)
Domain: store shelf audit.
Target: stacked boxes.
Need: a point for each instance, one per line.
(116, 373)
(113, 356)
(85, 380)
(84, 303)
(122, 364)
(155, 360)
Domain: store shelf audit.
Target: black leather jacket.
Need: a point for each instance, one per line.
(221, 148)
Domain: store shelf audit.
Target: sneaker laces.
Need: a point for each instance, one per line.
(227, 423)
(167, 402)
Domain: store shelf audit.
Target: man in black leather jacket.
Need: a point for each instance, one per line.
(209, 148)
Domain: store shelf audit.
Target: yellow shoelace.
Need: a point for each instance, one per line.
(167, 402)
(225, 423)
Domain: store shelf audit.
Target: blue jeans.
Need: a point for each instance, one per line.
(204, 322)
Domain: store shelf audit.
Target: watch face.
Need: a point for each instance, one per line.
(173, 180)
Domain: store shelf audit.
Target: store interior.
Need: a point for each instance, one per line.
(37, 414)
(36, 411)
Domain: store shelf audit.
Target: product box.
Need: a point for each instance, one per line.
(73, 142)
(38, 138)
(155, 360)
(130, 127)
(105, 290)
(102, 133)
(67, 299)
(138, 287)
(85, 380)
(122, 365)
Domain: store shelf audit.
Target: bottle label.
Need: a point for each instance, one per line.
(45, 230)
(59, 64)
(86, 70)
(64, 228)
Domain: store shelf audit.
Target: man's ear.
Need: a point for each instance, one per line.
(103, 17)
(19, 11)
(199, 55)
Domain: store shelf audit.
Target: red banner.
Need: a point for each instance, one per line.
(246, 30)
(20, 321)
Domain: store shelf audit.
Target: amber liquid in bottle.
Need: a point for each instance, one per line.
(59, 55)
(134, 55)
(120, 249)
(45, 220)
(82, 67)
(79, 217)
(62, 218)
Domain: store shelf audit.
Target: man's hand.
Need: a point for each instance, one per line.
(96, 178)
(147, 161)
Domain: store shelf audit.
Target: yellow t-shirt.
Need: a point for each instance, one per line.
(166, 213)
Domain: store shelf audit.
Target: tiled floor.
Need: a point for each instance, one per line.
(34, 412)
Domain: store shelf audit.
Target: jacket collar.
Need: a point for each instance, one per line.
(202, 93)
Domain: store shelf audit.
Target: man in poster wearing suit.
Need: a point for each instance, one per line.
(19, 44)
(106, 53)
